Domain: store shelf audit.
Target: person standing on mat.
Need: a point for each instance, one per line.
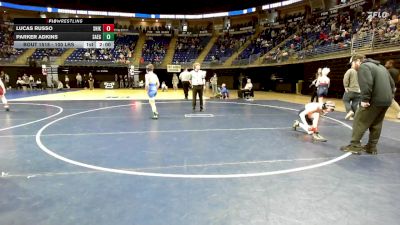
(151, 85)
(3, 91)
(323, 83)
(185, 77)
(309, 118)
(313, 85)
(198, 81)
(351, 96)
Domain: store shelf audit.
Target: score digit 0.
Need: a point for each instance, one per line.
(108, 36)
(108, 27)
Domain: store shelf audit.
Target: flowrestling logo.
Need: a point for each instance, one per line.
(383, 15)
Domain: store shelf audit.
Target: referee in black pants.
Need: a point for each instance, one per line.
(197, 80)
(185, 78)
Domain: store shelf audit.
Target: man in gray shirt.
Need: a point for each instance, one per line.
(351, 96)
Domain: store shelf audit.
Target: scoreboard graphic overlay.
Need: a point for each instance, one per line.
(64, 33)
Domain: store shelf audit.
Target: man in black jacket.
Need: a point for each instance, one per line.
(377, 89)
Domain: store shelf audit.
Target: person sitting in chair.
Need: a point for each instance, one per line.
(60, 85)
(224, 91)
(247, 90)
(164, 86)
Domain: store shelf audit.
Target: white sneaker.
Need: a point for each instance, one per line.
(296, 124)
(349, 115)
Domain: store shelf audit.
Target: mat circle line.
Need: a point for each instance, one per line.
(187, 176)
(35, 121)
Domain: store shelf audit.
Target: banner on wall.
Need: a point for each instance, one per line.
(173, 68)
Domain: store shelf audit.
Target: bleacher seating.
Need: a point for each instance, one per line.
(8, 54)
(42, 54)
(189, 48)
(155, 49)
(226, 45)
(266, 40)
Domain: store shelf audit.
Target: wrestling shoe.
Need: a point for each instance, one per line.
(355, 149)
(155, 116)
(372, 150)
(296, 124)
(318, 137)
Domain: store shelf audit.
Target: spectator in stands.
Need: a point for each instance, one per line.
(31, 81)
(247, 90)
(351, 96)
(185, 79)
(39, 84)
(26, 79)
(60, 86)
(116, 78)
(141, 83)
(164, 87)
(214, 83)
(126, 80)
(175, 81)
(20, 83)
(66, 80)
(224, 91)
(84, 81)
(121, 81)
(91, 82)
(394, 73)
(323, 83)
(86, 56)
(314, 85)
(78, 80)
(377, 88)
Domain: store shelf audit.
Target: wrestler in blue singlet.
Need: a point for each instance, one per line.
(152, 91)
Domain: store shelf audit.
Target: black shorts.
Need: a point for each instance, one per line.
(308, 119)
